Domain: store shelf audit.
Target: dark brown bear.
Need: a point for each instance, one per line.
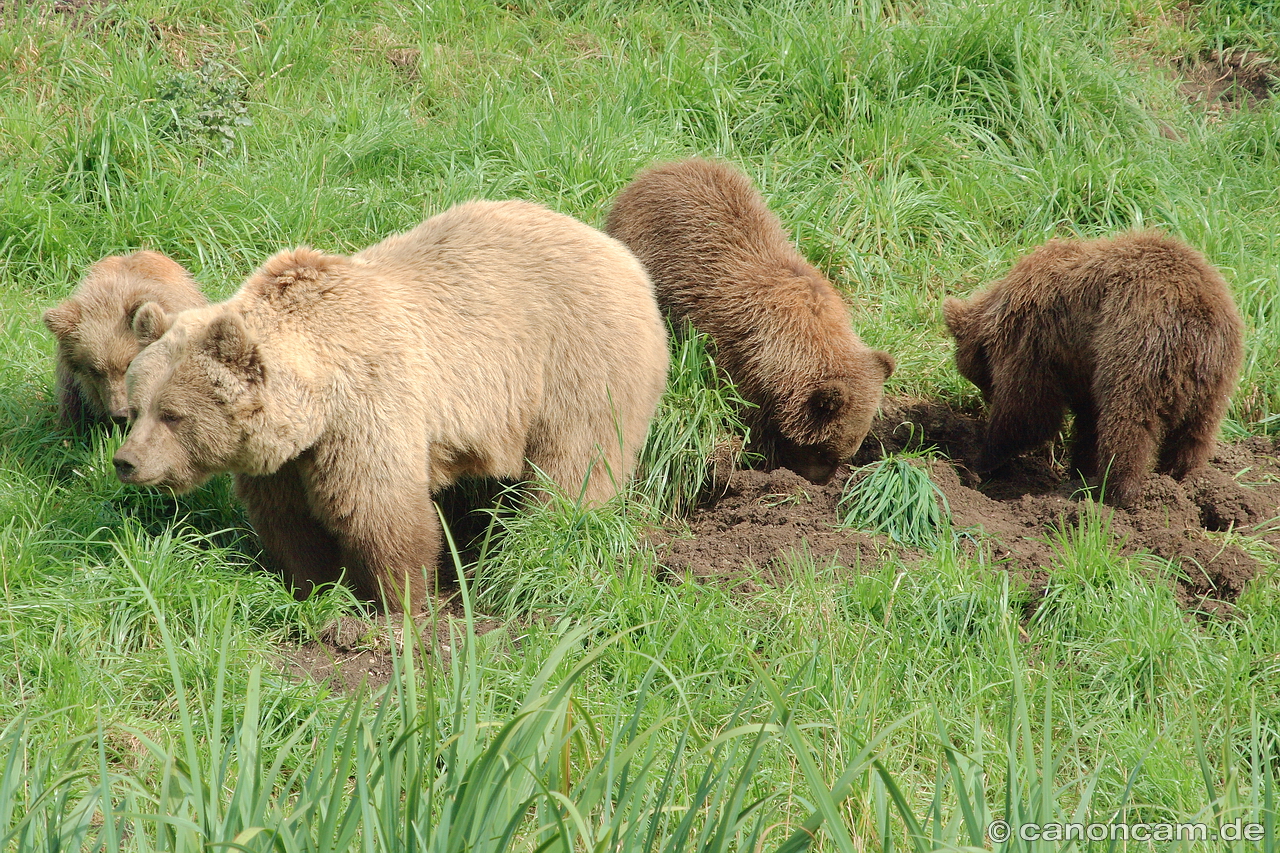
(1138, 335)
(720, 260)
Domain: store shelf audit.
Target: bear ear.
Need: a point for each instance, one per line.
(227, 341)
(886, 362)
(829, 398)
(955, 313)
(63, 319)
(296, 275)
(149, 322)
(110, 265)
(157, 266)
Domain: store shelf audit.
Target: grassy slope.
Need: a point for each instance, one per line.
(915, 150)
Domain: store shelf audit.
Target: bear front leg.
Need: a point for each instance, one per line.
(1126, 454)
(1024, 415)
(390, 551)
(291, 535)
(72, 407)
(384, 521)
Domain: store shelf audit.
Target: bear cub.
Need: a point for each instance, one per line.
(720, 259)
(1137, 335)
(495, 340)
(95, 332)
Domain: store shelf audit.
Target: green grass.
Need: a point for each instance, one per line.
(896, 497)
(914, 149)
(697, 435)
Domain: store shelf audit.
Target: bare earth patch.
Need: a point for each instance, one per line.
(354, 653)
(756, 526)
(750, 531)
(1225, 80)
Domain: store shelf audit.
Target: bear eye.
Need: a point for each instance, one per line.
(170, 418)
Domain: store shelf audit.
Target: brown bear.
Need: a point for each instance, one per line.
(719, 259)
(1137, 335)
(94, 330)
(497, 339)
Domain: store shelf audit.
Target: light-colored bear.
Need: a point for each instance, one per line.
(95, 334)
(493, 340)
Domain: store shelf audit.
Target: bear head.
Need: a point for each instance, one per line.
(95, 328)
(965, 321)
(833, 418)
(192, 397)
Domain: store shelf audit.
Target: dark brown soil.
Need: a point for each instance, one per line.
(747, 535)
(751, 531)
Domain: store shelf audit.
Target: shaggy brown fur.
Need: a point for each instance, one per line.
(1137, 335)
(721, 260)
(94, 329)
(492, 340)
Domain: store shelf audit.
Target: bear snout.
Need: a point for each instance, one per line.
(131, 467)
(126, 467)
(814, 463)
(815, 470)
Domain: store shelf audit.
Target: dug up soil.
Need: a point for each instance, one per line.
(751, 531)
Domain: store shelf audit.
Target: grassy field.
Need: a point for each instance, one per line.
(915, 149)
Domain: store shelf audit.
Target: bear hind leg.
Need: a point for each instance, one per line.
(585, 471)
(1189, 444)
(586, 477)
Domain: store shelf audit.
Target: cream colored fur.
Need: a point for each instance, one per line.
(94, 329)
(492, 339)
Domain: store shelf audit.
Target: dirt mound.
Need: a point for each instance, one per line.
(351, 653)
(750, 531)
(747, 533)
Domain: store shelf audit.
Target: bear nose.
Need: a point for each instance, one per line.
(124, 468)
